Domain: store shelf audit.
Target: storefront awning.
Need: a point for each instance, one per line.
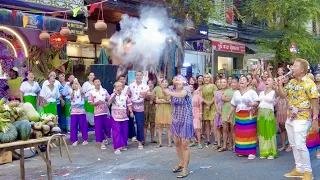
(35, 21)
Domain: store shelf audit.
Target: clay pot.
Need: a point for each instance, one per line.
(100, 25)
(65, 31)
(44, 35)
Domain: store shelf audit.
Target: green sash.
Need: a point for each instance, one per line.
(50, 108)
(31, 99)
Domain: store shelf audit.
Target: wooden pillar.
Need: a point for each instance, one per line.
(22, 170)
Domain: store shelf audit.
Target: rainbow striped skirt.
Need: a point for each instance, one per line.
(245, 132)
(313, 140)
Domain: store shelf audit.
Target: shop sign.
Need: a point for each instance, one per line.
(228, 47)
(67, 4)
(57, 41)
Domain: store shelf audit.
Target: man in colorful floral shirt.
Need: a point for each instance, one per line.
(302, 102)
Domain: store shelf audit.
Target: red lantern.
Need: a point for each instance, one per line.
(57, 41)
(16, 44)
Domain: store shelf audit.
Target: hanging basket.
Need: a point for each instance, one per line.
(44, 35)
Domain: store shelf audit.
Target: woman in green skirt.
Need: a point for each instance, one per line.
(267, 123)
(51, 93)
(29, 90)
(87, 87)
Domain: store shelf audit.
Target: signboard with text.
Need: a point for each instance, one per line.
(229, 47)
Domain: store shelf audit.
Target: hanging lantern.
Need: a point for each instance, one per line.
(100, 25)
(65, 31)
(44, 35)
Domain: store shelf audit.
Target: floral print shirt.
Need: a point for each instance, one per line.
(299, 95)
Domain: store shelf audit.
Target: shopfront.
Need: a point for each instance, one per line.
(227, 58)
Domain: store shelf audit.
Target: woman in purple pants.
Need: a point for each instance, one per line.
(120, 105)
(78, 114)
(102, 118)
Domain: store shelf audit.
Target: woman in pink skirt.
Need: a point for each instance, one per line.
(197, 115)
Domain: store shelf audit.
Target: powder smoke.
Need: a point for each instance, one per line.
(141, 42)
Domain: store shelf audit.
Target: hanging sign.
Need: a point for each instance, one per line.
(228, 47)
(57, 41)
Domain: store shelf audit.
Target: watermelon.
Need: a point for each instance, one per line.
(10, 135)
(23, 129)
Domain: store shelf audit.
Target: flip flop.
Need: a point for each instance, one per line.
(222, 149)
(159, 146)
(177, 168)
(182, 175)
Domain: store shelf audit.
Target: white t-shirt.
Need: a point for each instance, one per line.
(57, 85)
(267, 100)
(240, 101)
(30, 90)
(50, 95)
(86, 88)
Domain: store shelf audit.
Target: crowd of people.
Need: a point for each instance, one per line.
(237, 112)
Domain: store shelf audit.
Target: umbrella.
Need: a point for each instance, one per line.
(103, 58)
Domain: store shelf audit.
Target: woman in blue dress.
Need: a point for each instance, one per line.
(182, 122)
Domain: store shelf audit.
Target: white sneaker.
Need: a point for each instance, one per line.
(134, 139)
(124, 149)
(117, 151)
(75, 143)
(140, 147)
(106, 142)
(85, 143)
(270, 157)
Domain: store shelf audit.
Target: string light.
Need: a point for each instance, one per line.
(11, 45)
(19, 38)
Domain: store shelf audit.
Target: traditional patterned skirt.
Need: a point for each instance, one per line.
(245, 132)
(50, 108)
(267, 130)
(31, 99)
(89, 112)
(313, 140)
(65, 115)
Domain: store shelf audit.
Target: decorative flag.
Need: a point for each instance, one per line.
(25, 20)
(14, 13)
(35, 11)
(4, 12)
(75, 11)
(40, 19)
(93, 7)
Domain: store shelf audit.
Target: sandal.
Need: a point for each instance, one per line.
(159, 146)
(282, 149)
(177, 168)
(216, 147)
(222, 149)
(103, 147)
(192, 145)
(170, 145)
(183, 175)
(154, 142)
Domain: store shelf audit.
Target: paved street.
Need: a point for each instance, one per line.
(90, 162)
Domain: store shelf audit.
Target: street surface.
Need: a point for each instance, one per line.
(151, 163)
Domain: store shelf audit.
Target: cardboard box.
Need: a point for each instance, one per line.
(6, 157)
